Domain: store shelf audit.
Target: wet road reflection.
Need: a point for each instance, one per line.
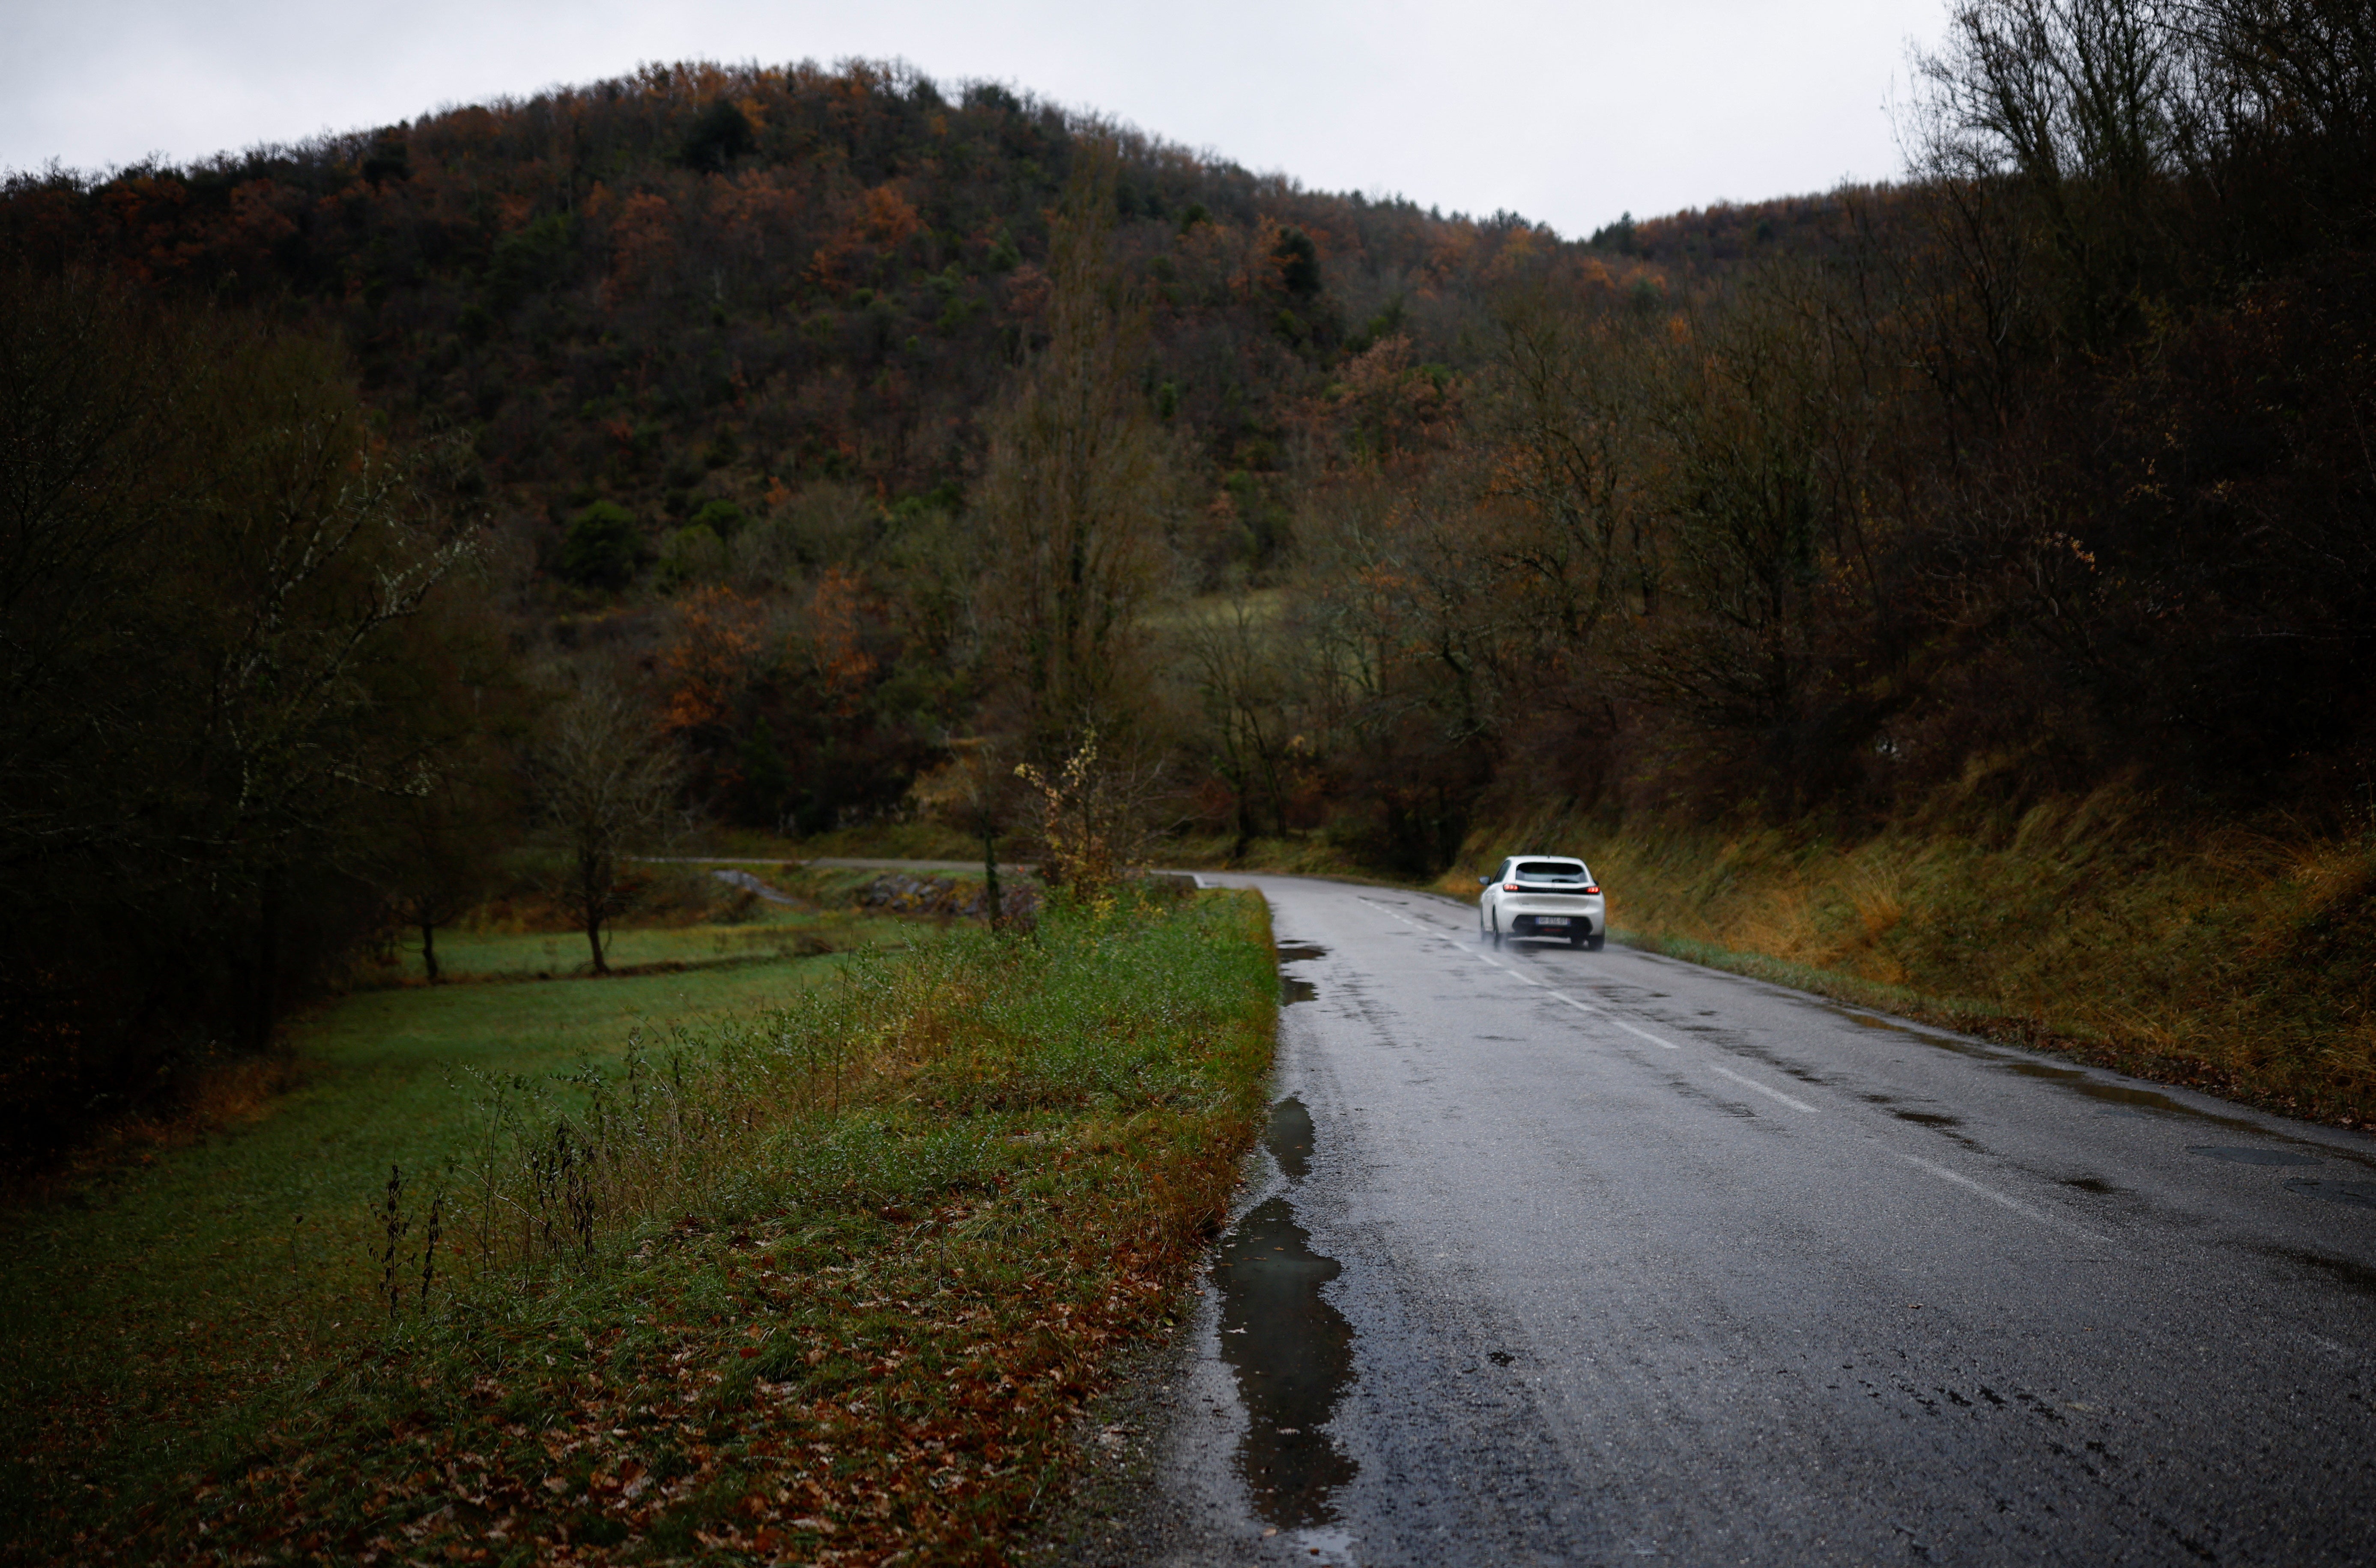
(1290, 1138)
(1292, 990)
(2113, 1099)
(2251, 1156)
(2359, 1194)
(1291, 1351)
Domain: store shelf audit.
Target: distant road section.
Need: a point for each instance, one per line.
(1603, 1258)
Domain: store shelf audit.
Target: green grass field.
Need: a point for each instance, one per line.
(773, 933)
(862, 1237)
(241, 1259)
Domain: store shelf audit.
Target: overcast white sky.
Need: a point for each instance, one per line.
(1569, 113)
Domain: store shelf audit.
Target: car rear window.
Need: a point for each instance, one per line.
(1541, 870)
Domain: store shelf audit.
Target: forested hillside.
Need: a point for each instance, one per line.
(737, 329)
(709, 288)
(852, 440)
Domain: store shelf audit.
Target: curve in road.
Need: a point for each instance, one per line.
(1572, 1257)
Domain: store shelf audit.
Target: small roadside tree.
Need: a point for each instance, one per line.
(1093, 818)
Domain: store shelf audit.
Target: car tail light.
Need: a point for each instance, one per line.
(1509, 887)
(1592, 887)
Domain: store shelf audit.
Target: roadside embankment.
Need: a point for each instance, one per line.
(2237, 960)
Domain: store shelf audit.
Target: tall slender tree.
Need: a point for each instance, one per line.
(1081, 480)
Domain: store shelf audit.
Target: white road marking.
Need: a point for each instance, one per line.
(1994, 1196)
(1760, 1089)
(1605, 1013)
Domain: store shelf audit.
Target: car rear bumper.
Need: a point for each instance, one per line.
(1545, 917)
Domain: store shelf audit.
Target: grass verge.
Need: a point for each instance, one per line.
(830, 1281)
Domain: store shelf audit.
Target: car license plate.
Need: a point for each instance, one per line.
(1550, 920)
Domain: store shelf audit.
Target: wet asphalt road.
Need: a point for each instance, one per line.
(1580, 1258)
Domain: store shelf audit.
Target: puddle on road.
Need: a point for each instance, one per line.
(1868, 1021)
(2360, 1195)
(2251, 1156)
(1290, 1138)
(2078, 1082)
(2113, 1099)
(1292, 990)
(1928, 1118)
(1291, 1351)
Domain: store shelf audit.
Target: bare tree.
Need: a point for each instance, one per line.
(1080, 478)
(2083, 102)
(1559, 410)
(607, 781)
(217, 591)
(2298, 68)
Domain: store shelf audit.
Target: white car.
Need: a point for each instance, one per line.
(1549, 896)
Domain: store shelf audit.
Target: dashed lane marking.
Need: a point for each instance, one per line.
(1605, 1013)
(2040, 1217)
(1760, 1089)
(2034, 1216)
